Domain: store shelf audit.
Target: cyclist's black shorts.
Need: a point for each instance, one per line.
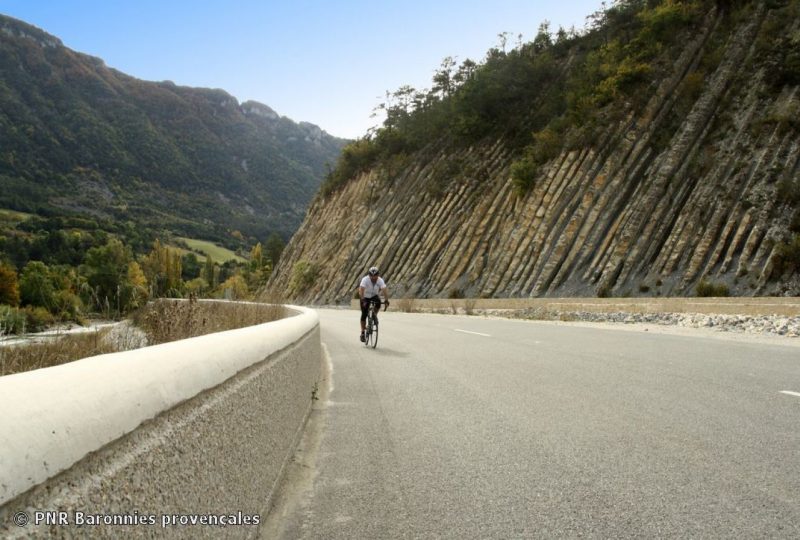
(365, 306)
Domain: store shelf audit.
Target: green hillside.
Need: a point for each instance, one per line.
(209, 249)
(82, 138)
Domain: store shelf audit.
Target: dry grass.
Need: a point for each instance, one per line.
(407, 305)
(54, 351)
(161, 322)
(171, 320)
(465, 304)
(469, 306)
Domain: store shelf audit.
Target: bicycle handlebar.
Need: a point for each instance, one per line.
(385, 303)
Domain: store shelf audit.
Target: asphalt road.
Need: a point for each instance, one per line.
(465, 427)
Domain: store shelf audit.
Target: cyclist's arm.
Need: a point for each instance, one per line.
(361, 293)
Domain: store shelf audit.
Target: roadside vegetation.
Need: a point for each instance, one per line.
(54, 351)
(171, 320)
(157, 322)
(57, 270)
(57, 273)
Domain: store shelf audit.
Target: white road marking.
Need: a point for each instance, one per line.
(473, 333)
(329, 362)
(788, 393)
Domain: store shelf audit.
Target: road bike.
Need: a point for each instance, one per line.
(371, 330)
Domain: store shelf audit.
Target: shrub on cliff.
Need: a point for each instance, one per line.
(787, 257)
(304, 274)
(523, 175)
(706, 289)
(355, 158)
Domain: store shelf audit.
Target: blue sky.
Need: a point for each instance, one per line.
(325, 62)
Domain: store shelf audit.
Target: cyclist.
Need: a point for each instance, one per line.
(369, 290)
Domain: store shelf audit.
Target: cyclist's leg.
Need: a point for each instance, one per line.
(364, 308)
(376, 301)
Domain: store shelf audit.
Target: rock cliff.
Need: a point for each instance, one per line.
(698, 186)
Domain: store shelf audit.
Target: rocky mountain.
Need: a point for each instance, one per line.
(81, 138)
(656, 153)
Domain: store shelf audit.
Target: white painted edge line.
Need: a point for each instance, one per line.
(473, 333)
(329, 361)
(790, 393)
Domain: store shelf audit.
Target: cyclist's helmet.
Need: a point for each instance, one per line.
(374, 271)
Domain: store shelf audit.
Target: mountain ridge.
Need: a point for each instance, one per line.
(83, 137)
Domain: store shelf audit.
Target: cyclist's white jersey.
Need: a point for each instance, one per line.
(371, 290)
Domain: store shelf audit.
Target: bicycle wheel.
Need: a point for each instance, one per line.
(368, 328)
(372, 332)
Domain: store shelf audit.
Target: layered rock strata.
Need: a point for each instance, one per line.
(637, 213)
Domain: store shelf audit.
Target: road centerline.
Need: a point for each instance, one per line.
(790, 393)
(473, 333)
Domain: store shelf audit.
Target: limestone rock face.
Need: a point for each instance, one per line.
(626, 216)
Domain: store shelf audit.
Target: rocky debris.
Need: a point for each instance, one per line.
(762, 324)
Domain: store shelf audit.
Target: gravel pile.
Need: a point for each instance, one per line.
(760, 324)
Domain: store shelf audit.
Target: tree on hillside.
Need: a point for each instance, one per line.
(543, 39)
(235, 288)
(503, 39)
(106, 269)
(443, 78)
(465, 72)
(136, 293)
(256, 257)
(9, 285)
(67, 282)
(36, 285)
(191, 267)
(273, 248)
(209, 273)
(398, 106)
(258, 271)
(163, 268)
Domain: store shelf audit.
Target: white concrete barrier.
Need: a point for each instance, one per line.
(114, 419)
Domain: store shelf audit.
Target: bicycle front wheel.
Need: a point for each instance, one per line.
(372, 334)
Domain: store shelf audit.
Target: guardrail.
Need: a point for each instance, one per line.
(189, 437)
